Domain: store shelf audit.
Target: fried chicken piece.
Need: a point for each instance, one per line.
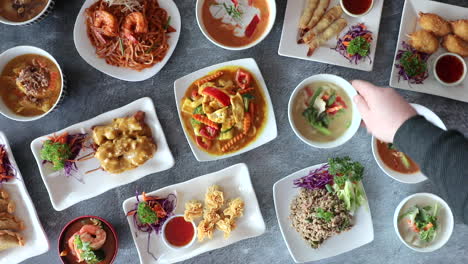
(460, 28)
(435, 24)
(424, 41)
(456, 45)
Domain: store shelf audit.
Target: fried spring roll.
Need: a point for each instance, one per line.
(334, 29)
(331, 16)
(307, 14)
(318, 13)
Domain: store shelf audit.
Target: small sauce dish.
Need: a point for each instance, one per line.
(450, 69)
(179, 234)
(357, 8)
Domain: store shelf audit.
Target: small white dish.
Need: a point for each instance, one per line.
(356, 15)
(36, 241)
(269, 131)
(409, 24)
(362, 232)
(235, 182)
(168, 244)
(445, 219)
(201, 25)
(87, 50)
(401, 177)
(325, 54)
(45, 12)
(66, 191)
(14, 52)
(350, 91)
(436, 75)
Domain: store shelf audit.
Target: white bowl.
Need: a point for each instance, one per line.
(445, 219)
(87, 50)
(402, 177)
(169, 245)
(354, 15)
(46, 11)
(271, 22)
(464, 69)
(12, 53)
(350, 91)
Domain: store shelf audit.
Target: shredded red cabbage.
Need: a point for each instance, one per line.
(7, 171)
(316, 179)
(418, 79)
(355, 31)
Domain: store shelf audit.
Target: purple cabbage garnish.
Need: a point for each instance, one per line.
(418, 79)
(359, 30)
(316, 179)
(7, 171)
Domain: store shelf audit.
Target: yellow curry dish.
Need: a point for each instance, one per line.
(224, 111)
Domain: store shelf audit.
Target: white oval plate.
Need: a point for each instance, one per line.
(87, 51)
(66, 191)
(362, 232)
(268, 133)
(235, 182)
(401, 177)
(36, 241)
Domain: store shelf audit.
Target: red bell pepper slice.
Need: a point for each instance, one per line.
(235, 2)
(203, 142)
(243, 78)
(219, 95)
(209, 132)
(195, 94)
(252, 26)
(250, 2)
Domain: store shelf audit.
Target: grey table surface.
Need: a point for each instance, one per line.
(92, 92)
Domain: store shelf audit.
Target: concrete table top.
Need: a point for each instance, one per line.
(91, 92)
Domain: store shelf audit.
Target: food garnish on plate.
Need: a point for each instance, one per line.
(396, 160)
(355, 44)
(412, 64)
(7, 171)
(129, 33)
(328, 197)
(235, 23)
(10, 225)
(419, 225)
(322, 111)
(30, 85)
(21, 10)
(224, 111)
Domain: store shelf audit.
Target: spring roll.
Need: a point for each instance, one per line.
(307, 14)
(318, 13)
(9, 239)
(334, 29)
(331, 16)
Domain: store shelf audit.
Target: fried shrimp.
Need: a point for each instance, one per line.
(106, 22)
(318, 13)
(424, 41)
(456, 45)
(435, 24)
(332, 15)
(460, 28)
(334, 29)
(134, 23)
(307, 14)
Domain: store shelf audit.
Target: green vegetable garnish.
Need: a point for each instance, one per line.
(233, 11)
(146, 215)
(424, 221)
(57, 153)
(359, 45)
(332, 99)
(345, 169)
(325, 215)
(122, 50)
(318, 121)
(198, 110)
(87, 254)
(168, 23)
(413, 64)
(315, 96)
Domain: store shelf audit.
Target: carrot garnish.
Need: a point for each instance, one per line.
(209, 78)
(203, 119)
(247, 123)
(247, 90)
(231, 142)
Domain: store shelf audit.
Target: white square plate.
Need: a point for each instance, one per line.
(325, 54)
(362, 232)
(269, 131)
(235, 182)
(409, 24)
(87, 50)
(66, 191)
(36, 241)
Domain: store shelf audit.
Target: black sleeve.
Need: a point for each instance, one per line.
(442, 157)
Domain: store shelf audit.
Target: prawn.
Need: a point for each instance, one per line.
(94, 235)
(106, 22)
(334, 29)
(456, 45)
(460, 28)
(134, 23)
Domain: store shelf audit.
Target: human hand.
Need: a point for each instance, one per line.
(382, 109)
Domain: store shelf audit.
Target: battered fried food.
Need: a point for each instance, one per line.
(333, 14)
(435, 24)
(424, 41)
(460, 28)
(307, 14)
(334, 29)
(318, 13)
(456, 45)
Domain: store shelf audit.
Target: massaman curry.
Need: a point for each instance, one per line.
(30, 85)
(124, 144)
(396, 160)
(21, 10)
(235, 23)
(224, 111)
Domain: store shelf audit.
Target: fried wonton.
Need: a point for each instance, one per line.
(9, 239)
(226, 225)
(205, 229)
(193, 210)
(10, 222)
(7, 206)
(214, 197)
(235, 208)
(211, 215)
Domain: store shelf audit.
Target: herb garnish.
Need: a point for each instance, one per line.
(56, 152)
(233, 11)
(168, 23)
(413, 64)
(359, 45)
(122, 50)
(345, 169)
(146, 215)
(325, 215)
(87, 254)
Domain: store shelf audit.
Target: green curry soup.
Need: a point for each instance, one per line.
(322, 112)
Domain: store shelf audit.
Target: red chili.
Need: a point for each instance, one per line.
(195, 94)
(217, 94)
(243, 78)
(252, 26)
(209, 132)
(235, 2)
(203, 142)
(340, 100)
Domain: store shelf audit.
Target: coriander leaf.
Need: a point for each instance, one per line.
(359, 45)
(56, 153)
(427, 235)
(343, 169)
(325, 215)
(413, 64)
(146, 215)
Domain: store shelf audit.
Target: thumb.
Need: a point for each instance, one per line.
(362, 106)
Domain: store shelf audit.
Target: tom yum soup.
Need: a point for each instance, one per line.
(21, 10)
(235, 23)
(396, 160)
(322, 112)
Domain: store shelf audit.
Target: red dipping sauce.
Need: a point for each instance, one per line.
(450, 69)
(357, 7)
(178, 232)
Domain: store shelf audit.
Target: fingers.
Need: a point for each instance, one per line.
(364, 88)
(362, 106)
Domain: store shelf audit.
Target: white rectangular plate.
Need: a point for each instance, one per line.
(289, 47)
(362, 232)
(34, 235)
(67, 191)
(235, 182)
(409, 24)
(269, 131)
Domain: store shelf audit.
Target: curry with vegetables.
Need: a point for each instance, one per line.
(396, 160)
(224, 111)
